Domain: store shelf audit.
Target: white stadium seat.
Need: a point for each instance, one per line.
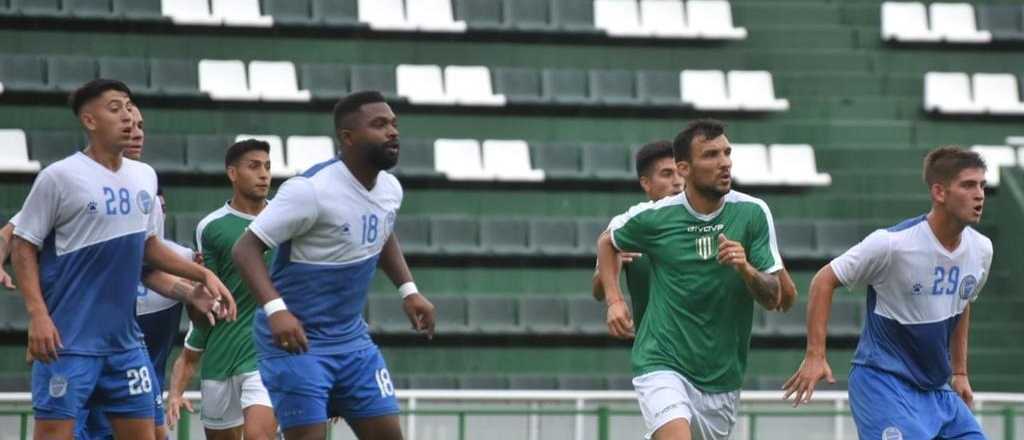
(510, 160)
(997, 93)
(795, 165)
(306, 151)
(619, 18)
(276, 81)
(241, 13)
(956, 24)
(996, 156)
(949, 92)
(706, 90)
(14, 153)
(750, 165)
(665, 19)
(195, 12)
(460, 159)
(225, 80)
(278, 167)
(906, 22)
(384, 15)
(433, 16)
(471, 85)
(754, 90)
(422, 84)
(712, 19)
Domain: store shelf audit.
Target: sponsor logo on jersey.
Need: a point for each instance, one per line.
(346, 229)
(892, 433)
(58, 386)
(91, 208)
(705, 247)
(968, 286)
(705, 229)
(145, 201)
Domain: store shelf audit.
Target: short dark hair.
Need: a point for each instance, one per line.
(92, 90)
(238, 149)
(351, 104)
(943, 164)
(650, 153)
(706, 128)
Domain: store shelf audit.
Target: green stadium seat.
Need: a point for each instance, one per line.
(23, 72)
(759, 326)
(484, 15)
(553, 236)
(614, 87)
(492, 314)
(289, 12)
(328, 81)
(12, 313)
(185, 228)
(566, 86)
(608, 162)
(1005, 22)
(68, 73)
(543, 315)
(337, 13)
(205, 153)
(559, 161)
(175, 78)
(6, 8)
(529, 15)
(576, 16)
(483, 382)
(386, 314)
(49, 146)
(140, 10)
(847, 317)
(588, 230)
(132, 71)
(519, 85)
(165, 153)
(581, 382)
(587, 316)
(532, 382)
(791, 323)
(450, 315)
(376, 77)
(796, 239)
(169, 228)
(456, 235)
(501, 236)
(620, 382)
(414, 234)
(416, 159)
(432, 382)
(90, 9)
(835, 237)
(659, 87)
(40, 8)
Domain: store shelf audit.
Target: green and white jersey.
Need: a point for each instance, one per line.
(699, 316)
(638, 274)
(228, 346)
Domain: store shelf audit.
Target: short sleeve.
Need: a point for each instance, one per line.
(14, 218)
(865, 263)
(292, 212)
(154, 225)
(42, 203)
(986, 261)
(632, 232)
(763, 250)
(195, 339)
(207, 246)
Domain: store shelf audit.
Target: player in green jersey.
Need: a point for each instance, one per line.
(713, 254)
(234, 400)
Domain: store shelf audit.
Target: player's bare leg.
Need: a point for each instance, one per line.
(54, 429)
(377, 428)
(259, 423)
(133, 429)
(223, 434)
(161, 433)
(308, 432)
(678, 429)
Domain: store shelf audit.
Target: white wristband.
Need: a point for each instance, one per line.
(274, 306)
(408, 289)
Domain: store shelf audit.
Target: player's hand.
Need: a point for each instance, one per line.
(215, 287)
(43, 339)
(421, 313)
(731, 253)
(962, 386)
(786, 301)
(628, 257)
(620, 321)
(5, 278)
(174, 404)
(801, 385)
(287, 332)
(204, 306)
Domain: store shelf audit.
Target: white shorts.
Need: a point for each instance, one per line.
(224, 400)
(667, 395)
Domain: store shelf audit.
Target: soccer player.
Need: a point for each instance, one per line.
(233, 396)
(921, 276)
(713, 254)
(330, 225)
(86, 227)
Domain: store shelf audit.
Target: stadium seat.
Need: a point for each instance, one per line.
(483, 382)
(432, 382)
(240, 13)
(460, 159)
(659, 88)
(614, 87)
(581, 382)
(40, 8)
(422, 84)
(750, 165)
(433, 16)
(165, 153)
(23, 73)
(1004, 22)
(543, 315)
(906, 22)
(139, 10)
(485, 15)
(185, 228)
(384, 15)
(290, 12)
(532, 382)
(518, 85)
(276, 81)
(566, 86)
(90, 9)
(225, 80)
(375, 77)
(190, 12)
(575, 16)
(386, 314)
(67, 73)
(949, 92)
(795, 164)
(49, 146)
(14, 153)
(134, 72)
(529, 15)
(665, 19)
(834, 237)
(278, 166)
(337, 13)
(608, 162)
(997, 93)
(13, 318)
(326, 81)
(175, 78)
(553, 237)
(706, 90)
(509, 160)
(450, 313)
(620, 382)
(559, 161)
(416, 159)
(755, 91)
(492, 314)
(619, 18)
(712, 19)
(796, 238)
(502, 236)
(205, 153)
(471, 85)
(456, 235)
(306, 151)
(588, 230)
(759, 324)
(790, 323)
(996, 157)
(847, 318)
(414, 234)
(956, 24)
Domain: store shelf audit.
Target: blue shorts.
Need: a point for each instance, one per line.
(887, 407)
(92, 424)
(309, 389)
(119, 385)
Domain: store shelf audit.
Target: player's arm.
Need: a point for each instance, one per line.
(619, 319)
(181, 374)
(163, 258)
(6, 234)
(789, 293)
(814, 366)
(597, 288)
(286, 329)
(958, 353)
(416, 306)
(186, 292)
(43, 338)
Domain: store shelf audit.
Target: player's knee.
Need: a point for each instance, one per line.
(259, 433)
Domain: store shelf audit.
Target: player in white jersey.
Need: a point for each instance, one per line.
(80, 241)
(909, 377)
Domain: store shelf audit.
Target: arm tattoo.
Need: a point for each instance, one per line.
(764, 288)
(181, 290)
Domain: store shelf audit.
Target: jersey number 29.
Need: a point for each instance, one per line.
(946, 280)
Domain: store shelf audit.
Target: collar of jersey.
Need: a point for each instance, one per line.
(233, 211)
(704, 217)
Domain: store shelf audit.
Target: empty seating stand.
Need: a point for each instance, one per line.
(913, 22)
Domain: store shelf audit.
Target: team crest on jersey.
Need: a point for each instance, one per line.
(91, 208)
(145, 201)
(391, 218)
(705, 246)
(58, 386)
(968, 286)
(892, 433)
